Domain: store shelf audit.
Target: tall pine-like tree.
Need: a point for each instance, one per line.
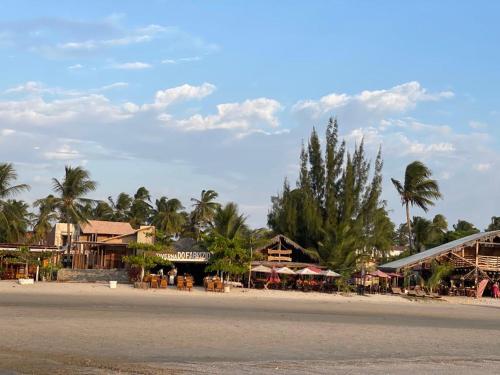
(317, 167)
(336, 209)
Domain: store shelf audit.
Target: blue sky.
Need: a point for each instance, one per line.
(181, 96)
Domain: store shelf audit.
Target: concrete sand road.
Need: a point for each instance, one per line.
(95, 330)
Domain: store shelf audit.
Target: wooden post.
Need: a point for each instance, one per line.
(477, 266)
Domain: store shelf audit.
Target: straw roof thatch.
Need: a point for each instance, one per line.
(276, 239)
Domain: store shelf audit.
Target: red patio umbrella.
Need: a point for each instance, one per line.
(315, 269)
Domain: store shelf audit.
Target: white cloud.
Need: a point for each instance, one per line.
(111, 86)
(65, 152)
(422, 149)
(250, 114)
(137, 65)
(397, 99)
(7, 132)
(322, 106)
(181, 60)
(29, 87)
(63, 38)
(399, 143)
(128, 37)
(369, 135)
(164, 98)
(39, 89)
(482, 167)
(65, 105)
(75, 67)
(131, 107)
(38, 111)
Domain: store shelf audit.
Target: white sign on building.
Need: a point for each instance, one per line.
(188, 256)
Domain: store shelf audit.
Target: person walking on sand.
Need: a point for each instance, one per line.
(495, 290)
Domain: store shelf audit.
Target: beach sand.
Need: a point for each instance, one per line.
(89, 328)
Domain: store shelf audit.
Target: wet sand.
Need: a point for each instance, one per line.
(90, 329)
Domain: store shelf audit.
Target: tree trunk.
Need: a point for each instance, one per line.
(408, 222)
(143, 272)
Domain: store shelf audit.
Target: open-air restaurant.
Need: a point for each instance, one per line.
(283, 278)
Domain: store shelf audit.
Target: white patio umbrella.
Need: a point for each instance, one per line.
(330, 273)
(306, 271)
(261, 268)
(285, 271)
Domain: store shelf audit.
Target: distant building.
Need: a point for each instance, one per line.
(282, 251)
(11, 267)
(58, 236)
(99, 244)
(475, 260)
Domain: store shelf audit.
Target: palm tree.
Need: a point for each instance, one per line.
(71, 200)
(18, 219)
(422, 229)
(8, 176)
(228, 222)
(418, 189)
(102, 211)
(45, 217)
(121, 206)
(167, 216)
(11, 215)
(438, 230)
(140, 210)
(204, 211)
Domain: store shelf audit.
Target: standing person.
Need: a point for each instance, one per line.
(173, 274)
(495, 290)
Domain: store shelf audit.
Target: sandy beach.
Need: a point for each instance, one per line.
(88, 328)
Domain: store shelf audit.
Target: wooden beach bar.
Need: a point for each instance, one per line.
(475, 260)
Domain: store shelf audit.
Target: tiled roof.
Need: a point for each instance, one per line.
(106, 227)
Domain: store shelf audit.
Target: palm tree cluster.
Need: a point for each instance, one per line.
(427, 233)
(70, 203)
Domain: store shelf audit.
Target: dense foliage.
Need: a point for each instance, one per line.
(147, 257)
(335, 209)
(228, 255)
(427, 234)
(439, 272)
(14, 216)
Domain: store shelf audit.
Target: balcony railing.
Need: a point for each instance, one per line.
(485, 262)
